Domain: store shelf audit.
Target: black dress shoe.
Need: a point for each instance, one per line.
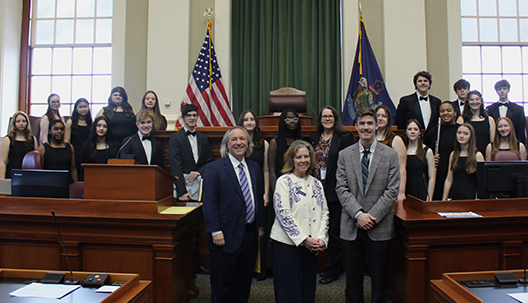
(201, 270)
(260, 276)
(327, 280)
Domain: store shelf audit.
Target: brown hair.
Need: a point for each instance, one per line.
(471, 164)
(292, 151)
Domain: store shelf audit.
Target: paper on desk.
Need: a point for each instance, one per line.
(107, 288)
(460, 214)
(177, 210)
(521, 297)
(39, 290)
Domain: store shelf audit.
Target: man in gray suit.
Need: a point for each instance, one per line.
(367, 186)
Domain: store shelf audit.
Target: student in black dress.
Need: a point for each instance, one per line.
(331, 137)
(78, 128)
(58, 154)
(476, 115)
(461, 181)
(16, 144)
(442, 141)
(150, 102)
(421, 170)
(52, 113)
(100, 146)
(289, 131)
(505, 139)
(385, 135)
(249, 121)
(120, 113)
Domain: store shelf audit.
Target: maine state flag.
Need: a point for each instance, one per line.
(366, 87)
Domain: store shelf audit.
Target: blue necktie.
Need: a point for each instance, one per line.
(250, 212)
(365, 168)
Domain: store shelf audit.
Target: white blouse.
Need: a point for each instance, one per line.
(300, 210)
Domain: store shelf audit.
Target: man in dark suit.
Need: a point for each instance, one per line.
(461, 88)
(145, 148)
(368, 180)
(233, 209)
(189, 152)
(420, 105)
(505, 108)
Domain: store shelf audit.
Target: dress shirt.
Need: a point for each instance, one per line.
(193, 140)
(147, 146)
(371, 149)
(425, 108)
(300, 210)
(503, 110)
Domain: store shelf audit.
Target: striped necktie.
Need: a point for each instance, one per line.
(244, 185)
(365, 168)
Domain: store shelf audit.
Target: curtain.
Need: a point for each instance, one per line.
(280, 43)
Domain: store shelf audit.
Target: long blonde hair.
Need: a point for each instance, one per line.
(471, 164)
(12, 129)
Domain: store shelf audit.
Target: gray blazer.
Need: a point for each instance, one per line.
(380, 194)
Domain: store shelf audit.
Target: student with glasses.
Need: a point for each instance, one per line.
(52, 113)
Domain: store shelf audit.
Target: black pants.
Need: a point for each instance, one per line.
(377, 255)
(231, 273)
(333, 266)
(294, 273)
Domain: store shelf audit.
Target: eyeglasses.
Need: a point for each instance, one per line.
(294, 119)
(328, 117)
(192, 116)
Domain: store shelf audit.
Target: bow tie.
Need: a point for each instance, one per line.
(461, 103)
(190, 133)
(423, 98)
(146, 138)
(503, 104)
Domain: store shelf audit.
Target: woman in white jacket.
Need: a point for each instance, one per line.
(300, 230)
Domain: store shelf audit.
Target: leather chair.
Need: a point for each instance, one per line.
(32, 160)
(287, 97)
(77, 190)
(34, 123)
(506, 155)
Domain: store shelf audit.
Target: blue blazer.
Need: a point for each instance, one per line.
(224, 206)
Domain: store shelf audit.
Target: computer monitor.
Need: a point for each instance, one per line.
(40, 183)
(508, 179)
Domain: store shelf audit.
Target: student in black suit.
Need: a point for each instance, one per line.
(420, 105)
(145, 148)
(189, 152)
(461, 88)
(505, 108)
(233, 211)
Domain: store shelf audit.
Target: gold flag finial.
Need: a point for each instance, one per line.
(360, 11)
(208, 12)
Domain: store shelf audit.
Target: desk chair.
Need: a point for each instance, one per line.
(285, 98)
(77, 190)
(506, 155)
(32, 160)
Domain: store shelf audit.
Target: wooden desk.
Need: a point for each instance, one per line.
(103, 236)
(449, 290)
(133, 290)
(427, 245)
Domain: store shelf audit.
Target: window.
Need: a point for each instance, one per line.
(70, 53)
(495, 46)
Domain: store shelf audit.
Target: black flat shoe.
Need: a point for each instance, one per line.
(201, 270)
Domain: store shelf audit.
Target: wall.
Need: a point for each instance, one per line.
(10, 27)
(156, 43)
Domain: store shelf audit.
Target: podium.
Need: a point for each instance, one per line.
(116, 228)
(133, 290)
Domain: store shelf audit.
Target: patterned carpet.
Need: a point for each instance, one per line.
(262, 291)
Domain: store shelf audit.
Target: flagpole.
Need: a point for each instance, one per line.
(208, 12)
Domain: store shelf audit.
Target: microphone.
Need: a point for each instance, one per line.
(524, 280)
(71, 280)
(119, 151)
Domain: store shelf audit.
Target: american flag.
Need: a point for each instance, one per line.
(206, 90)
